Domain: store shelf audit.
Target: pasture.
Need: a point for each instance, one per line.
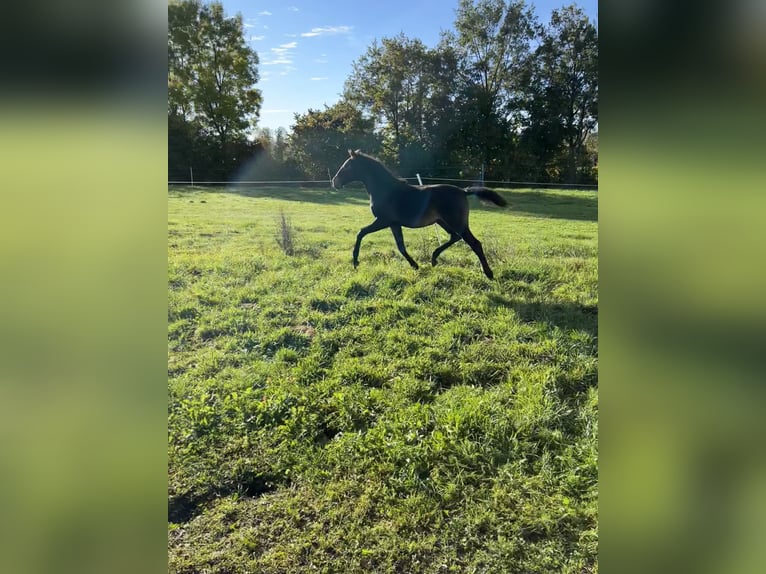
(383, 419)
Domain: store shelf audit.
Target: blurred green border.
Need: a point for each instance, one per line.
(681, 213)
(83, 365)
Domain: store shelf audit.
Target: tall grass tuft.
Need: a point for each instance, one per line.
(285, 235)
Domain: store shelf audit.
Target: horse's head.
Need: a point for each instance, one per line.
(349, 171)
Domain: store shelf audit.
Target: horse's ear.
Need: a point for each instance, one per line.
(357, 152)
(351, 153)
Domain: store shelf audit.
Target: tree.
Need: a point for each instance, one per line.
(493, 43)
(267, 159)
(279, 148)
(211, 75)
(397, 81)
(563, 90)
(321, 138)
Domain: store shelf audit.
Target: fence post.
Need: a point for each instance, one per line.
(191, 175)
(436, 229)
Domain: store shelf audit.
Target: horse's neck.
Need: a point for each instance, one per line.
(381, 184)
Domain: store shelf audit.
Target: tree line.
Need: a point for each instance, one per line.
(501, 95)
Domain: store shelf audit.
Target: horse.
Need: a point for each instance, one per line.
(395, 203)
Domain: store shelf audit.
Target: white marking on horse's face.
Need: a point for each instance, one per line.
(345, 174)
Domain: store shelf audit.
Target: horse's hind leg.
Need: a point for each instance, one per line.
(399, 238)
(454, 238)
(475, 244)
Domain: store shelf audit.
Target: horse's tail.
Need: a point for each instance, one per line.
(486, 193)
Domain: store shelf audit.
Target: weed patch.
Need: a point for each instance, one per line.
(285, 234)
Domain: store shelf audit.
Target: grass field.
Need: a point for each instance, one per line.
(384, 419)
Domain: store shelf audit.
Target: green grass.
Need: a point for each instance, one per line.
(382, 419)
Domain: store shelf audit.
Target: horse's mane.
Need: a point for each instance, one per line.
(379, 168)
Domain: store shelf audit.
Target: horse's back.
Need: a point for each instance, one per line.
(448, 196)
(441, 188)
(448, 204)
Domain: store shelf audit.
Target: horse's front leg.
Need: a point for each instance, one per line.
(376, 225)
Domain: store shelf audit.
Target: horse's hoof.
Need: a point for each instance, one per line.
(489, 274)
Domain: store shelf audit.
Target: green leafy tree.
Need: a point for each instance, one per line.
(405, 87)
(268, 159)
(493, 41)
(563, 93)
(212, 74)
(320, 139)
(442, 112)
(279, 148)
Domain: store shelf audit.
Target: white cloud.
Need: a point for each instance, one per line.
(264, 13)
(282, 54)
(249, 25)
(317, 78)
(327, 31)
(292, 9)
(277, 61)
(256, 38)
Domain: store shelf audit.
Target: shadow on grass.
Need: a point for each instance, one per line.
(326, 195)
(537, 203)
(566, 316)
(185, 507)
(575, 205)
(322, 195)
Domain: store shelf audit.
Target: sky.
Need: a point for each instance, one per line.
(306, 47)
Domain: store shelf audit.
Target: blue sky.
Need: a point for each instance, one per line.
(306, 47)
